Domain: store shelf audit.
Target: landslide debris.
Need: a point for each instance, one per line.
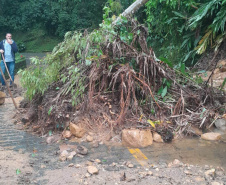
(110, 79)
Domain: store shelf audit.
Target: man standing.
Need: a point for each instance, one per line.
(8, 48)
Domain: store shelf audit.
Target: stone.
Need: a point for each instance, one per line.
(113, 164)
(95, 144)
(71, 165)
(157, 138)
(87, 175)
(52, 139)
(70, 157)
(221, 124)
(216, 183)
(77, 131)
(92, 170)
(175, 163)
(150, 173)
(206, 167)
(43, 166)
(130, 165)
(82, 150)
(98, 161)
(73, 153)
(211, 136)
(63, 156)
(136, 138)
(89, 138)
(210, 173)
(187, 172)
(77, 166)
(199, 179)
(67, 134)
(89, 163)
(2, 97)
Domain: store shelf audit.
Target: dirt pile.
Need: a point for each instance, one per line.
(123, 86)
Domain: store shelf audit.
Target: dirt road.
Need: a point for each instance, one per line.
(27, 159)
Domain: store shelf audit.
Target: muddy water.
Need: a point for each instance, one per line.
(189, 150)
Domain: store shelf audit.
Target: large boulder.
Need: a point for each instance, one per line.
(2, 97)
(211, 136)
(137, 138)
(76, 130)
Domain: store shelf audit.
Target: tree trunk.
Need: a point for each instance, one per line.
(132, 8)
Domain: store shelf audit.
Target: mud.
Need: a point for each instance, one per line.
(38, 163)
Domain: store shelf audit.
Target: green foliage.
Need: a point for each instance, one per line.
(21, 46)
(180, 29)
(55, 17)
(36, 79)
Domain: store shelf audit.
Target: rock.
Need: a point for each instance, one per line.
(43, 166)
(87, 175)
(77, 166)
(71, 165)
(63, 155)
(82, 150)
(130, 165)
(175, 163)
(95, 144)
(149, 173)
(98, 161)
(70, 157)
(67, 134)
(76, 130)
(211, 136)
(157, 138)
(62, 158)
(89, 163)
(137, 138)
(210, 173)
(113, 164)
(92, 170)
(206, 167)
(187, 172)
(216, 183)
(221, 124)
(89, 138)
(73, 153)
(52, 139)
(199, 179)
(123, 177)
(2, 97)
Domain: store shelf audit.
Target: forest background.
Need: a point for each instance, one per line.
(178, 30)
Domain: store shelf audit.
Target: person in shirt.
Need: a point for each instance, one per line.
(8, 48)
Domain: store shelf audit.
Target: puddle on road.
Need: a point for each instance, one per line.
(188, 150)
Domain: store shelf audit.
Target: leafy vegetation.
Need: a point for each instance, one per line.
(111, 76)
(181, 29)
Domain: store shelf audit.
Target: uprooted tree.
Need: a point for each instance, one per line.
(110, 78)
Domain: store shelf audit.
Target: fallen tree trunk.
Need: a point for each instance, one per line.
(132, 8)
